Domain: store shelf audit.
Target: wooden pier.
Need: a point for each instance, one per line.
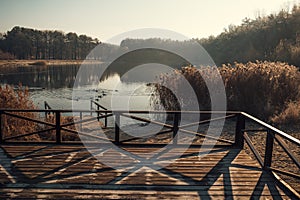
(67, 170)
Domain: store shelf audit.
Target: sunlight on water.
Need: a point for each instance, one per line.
(54, 84)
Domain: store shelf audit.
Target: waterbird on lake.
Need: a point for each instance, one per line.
(73, 99)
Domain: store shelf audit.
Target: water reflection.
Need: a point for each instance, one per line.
(48, 77)
(54, 84)
(63, 76)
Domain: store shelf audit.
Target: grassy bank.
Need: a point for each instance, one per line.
(16, 63)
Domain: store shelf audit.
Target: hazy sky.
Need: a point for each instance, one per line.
(104, 19)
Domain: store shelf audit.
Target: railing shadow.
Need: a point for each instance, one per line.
(209, 179)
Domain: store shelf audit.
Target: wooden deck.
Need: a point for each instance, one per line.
(67, 172)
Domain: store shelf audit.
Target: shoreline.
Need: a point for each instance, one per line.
(17, 63)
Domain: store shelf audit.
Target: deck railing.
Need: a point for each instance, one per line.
(241, 134)
(99, 107)
(273, 134)
(57, 126)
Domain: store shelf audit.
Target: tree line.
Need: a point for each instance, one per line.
(26, 43)
(275, 37)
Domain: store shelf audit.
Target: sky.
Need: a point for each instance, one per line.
(105, 19)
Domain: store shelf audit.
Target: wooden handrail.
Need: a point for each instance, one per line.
(240, 131)
(98, 109)
(272, 135)
(99, 105)
(239, 137)
(122, 111)
(271, 128)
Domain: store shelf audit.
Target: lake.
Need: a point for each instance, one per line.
(54, 84)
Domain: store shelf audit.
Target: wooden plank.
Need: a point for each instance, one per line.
(222, 171)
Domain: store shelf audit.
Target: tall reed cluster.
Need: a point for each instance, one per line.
(268, 90)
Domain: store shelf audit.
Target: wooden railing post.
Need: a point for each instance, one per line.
(91, 107)
(1, 130)
(269, 150)
(175, 128)
(80, 122)
(117, 127)
(105, 121)
(58, 127)
(98, 113)
(239, 132)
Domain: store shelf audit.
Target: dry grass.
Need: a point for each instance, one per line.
(263, 89)
(17, 99)
(291, 115)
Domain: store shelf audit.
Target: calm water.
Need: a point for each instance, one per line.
(54, 84)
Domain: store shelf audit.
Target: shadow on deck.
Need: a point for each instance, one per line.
(175, 162)
(66, 172)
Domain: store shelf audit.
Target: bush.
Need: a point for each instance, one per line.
(17, 99)
(262, 89)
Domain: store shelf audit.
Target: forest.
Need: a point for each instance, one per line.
(275, 37)
(27, 43)
(272, 38)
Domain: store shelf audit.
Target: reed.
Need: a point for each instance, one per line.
(263, 89)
